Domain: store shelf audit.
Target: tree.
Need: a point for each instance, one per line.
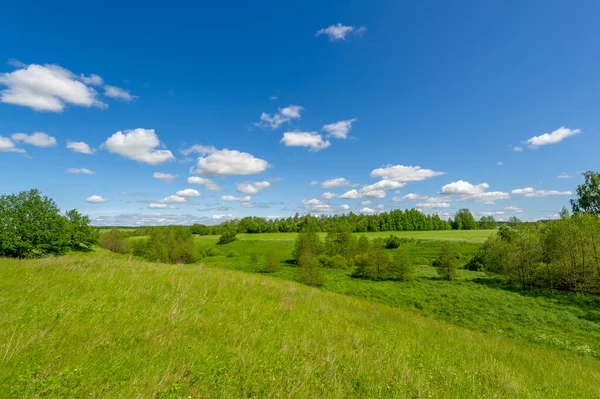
(374, 265)
(114, 241)
(271, 260)
(309, 271)
(308, 241)
(31, 226)
(464, 220)
(588, 195)
(362, 245)
(81, 234)
(447, 261)
(392, 242)
(487, 223)
(171, 244)
(402, 267)
(228, 235)
(514, 221)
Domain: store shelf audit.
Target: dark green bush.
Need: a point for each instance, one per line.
(227, 237)
(392, 242)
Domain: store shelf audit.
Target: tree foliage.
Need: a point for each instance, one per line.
(588, 195)
(228, 235)
(464, 220)
(447, 261)
(114, 241)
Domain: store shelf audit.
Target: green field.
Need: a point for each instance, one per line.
(102, 325)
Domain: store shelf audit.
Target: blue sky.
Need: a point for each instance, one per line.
(413, 104)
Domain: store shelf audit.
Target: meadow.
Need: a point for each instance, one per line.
(104, 325)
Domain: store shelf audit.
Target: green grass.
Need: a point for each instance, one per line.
(102, 326)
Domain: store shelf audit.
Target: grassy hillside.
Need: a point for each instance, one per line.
(98, 326)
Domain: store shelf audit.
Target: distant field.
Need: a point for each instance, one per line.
(444, 235)
(105, 326)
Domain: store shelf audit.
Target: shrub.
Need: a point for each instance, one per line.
(138, 247)
(253, 258)
(271, 261)
(402, 267)
(172, 244)
(447, 261)
(362, 246)
(232, 254)
(227, 236)
(309, 271)
(334, 262)
(114, 242)
(375, 265)
(392, 242)
(206, 251)
(378, 243)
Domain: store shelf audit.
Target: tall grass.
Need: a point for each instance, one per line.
(101, 327)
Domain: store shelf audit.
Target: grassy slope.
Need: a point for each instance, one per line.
(98, 326)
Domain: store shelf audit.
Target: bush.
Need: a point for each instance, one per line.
(392, 242)
(402, 267)
(309, 271)
(271, 261)
(334, 262)
(114, 242)
(138, 247)
(375, 265)
(207, 251)
(172, 244)
(447, 261)
(362, 246)
(232, 254)
(227, 236)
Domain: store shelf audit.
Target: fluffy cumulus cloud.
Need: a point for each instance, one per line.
(95, 199)
(317, 206)
(552, 138)
(383, 185)
(401, 173)
(37, 139)
(7, 145)
(47, 88)
(339, 129)
(367, 210)
(530, 192)
(468, 192)
(80, 147)
(345, 207)
(173, 199)
(166, 177)
(229, 162)
(564, 176)
(154, 205)
(337, 182)
(362, 193)
(252, 188)
(139, 145)
(188, 192)
(434, 204)
(410, 197)
(313, 140)
(283, 115)
(329, 195)
(230, 198)
(80, 171)
(118, 93)
(340, 32)
(365, 203)
(513, 209)
(208, 183)
(158, 219)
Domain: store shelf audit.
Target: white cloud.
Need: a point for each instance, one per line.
(95, 199)
(329, 195)
(283, 115)
(491, 213)
(80, 170)
(383, 185)
(315, 205)
(118, 93)
(367, 210)
(530, 192)
(138, 144)
(353, 194)
(80, 147)
(198, 149)
(173, 199)
(564, 176)
(247, 205)
(209, 184)
(304, 139)
(380, 207)
(337, 182)
(499, 163)
(188, 192)
(166, 177)
(37, 139)
(473, 193)
(513, 209)
(552, 138)
(155, 205)
(46, 88)
(7, 145)
(340, 129)
(434, 205)
(230, 162)
(464, 187)
(93, 80)
(247, 198)
(410, 197)
(517, 149)
(345, 207)
(403, 173)
(157, 219)
(365, 203)
(252, 188)
(340, 32)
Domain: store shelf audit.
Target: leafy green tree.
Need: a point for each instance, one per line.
(514, 221)
(401, 268)
(588, 195)
(362, 246)
(374, 265)
(378, 243)
(171, 244)
(79, 229)
(31, 226)
(114, 241)
(464, 220)
(228, 235)
(308, 241)
(271, 260)
(447, 261)
(392, 242)
(309, 271)
(200, 229)
(487, 223)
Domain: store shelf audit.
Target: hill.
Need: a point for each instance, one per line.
(100, 326)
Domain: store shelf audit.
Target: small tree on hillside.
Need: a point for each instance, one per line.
(447, 261)
(309, 270)
(362, 245)
(114, 241)
(401, 267)
(228, 235)
(80, 232)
